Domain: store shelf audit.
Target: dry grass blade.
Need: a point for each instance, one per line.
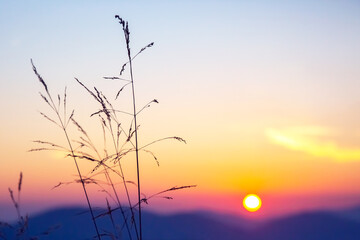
(119, 156)
(147, 46)
(84, 157)
(59, 100)
(111, 219)
(82, 144)
(78, 153)
(71, 116)
(20, 181)
(79, 127)
(50, 143)
(169, 198)
(93, 159)
(46, 100)
(176, 188)
(57, 185)
(128, 40)
(107, 101)
(102, 163)
(85, 180)
(179, 139)
(162, 139)
(127, 113)
(145, 199)
(103, 126)
(12, 198)
(124, 65)
(153, 155)
(147, 105)
(39, 77)
(118, 132)
(89, 144)
(42, 149)
(105, 110)
(123, 68)
(65, 106)
(122, 88)
(121, 21)
(107, 212)
(96, 113)
(116, 78)
(131, 133)
(91, 93)
(16, 203)
(45, 116)
(143, 49)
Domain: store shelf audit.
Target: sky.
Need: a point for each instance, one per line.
(265, 94)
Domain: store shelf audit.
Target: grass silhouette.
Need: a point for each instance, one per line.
(107, 163)
(20, 230)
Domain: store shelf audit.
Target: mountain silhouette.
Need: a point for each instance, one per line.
(75, 223)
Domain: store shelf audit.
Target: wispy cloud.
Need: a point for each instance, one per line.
(310, 140)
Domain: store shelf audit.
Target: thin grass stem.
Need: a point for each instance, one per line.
(53, 106)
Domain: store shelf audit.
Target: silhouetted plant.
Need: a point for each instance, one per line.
(19, 230)
(62, 122)
(109, 163)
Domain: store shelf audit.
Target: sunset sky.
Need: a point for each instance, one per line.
(266, 94)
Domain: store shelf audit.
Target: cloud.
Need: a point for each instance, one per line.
(309, 139)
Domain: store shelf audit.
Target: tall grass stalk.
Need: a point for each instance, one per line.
(100, 98)
(20, 230)
(127, 40)
(109, 162)
(124, 181)
(63, 124)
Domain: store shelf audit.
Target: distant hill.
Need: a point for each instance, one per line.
(309, 226)
(75, 224)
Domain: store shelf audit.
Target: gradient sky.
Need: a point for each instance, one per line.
(266, 95)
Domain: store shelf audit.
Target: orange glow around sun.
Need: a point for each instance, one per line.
(252, 202)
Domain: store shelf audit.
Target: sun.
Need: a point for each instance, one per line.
(252, 202)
